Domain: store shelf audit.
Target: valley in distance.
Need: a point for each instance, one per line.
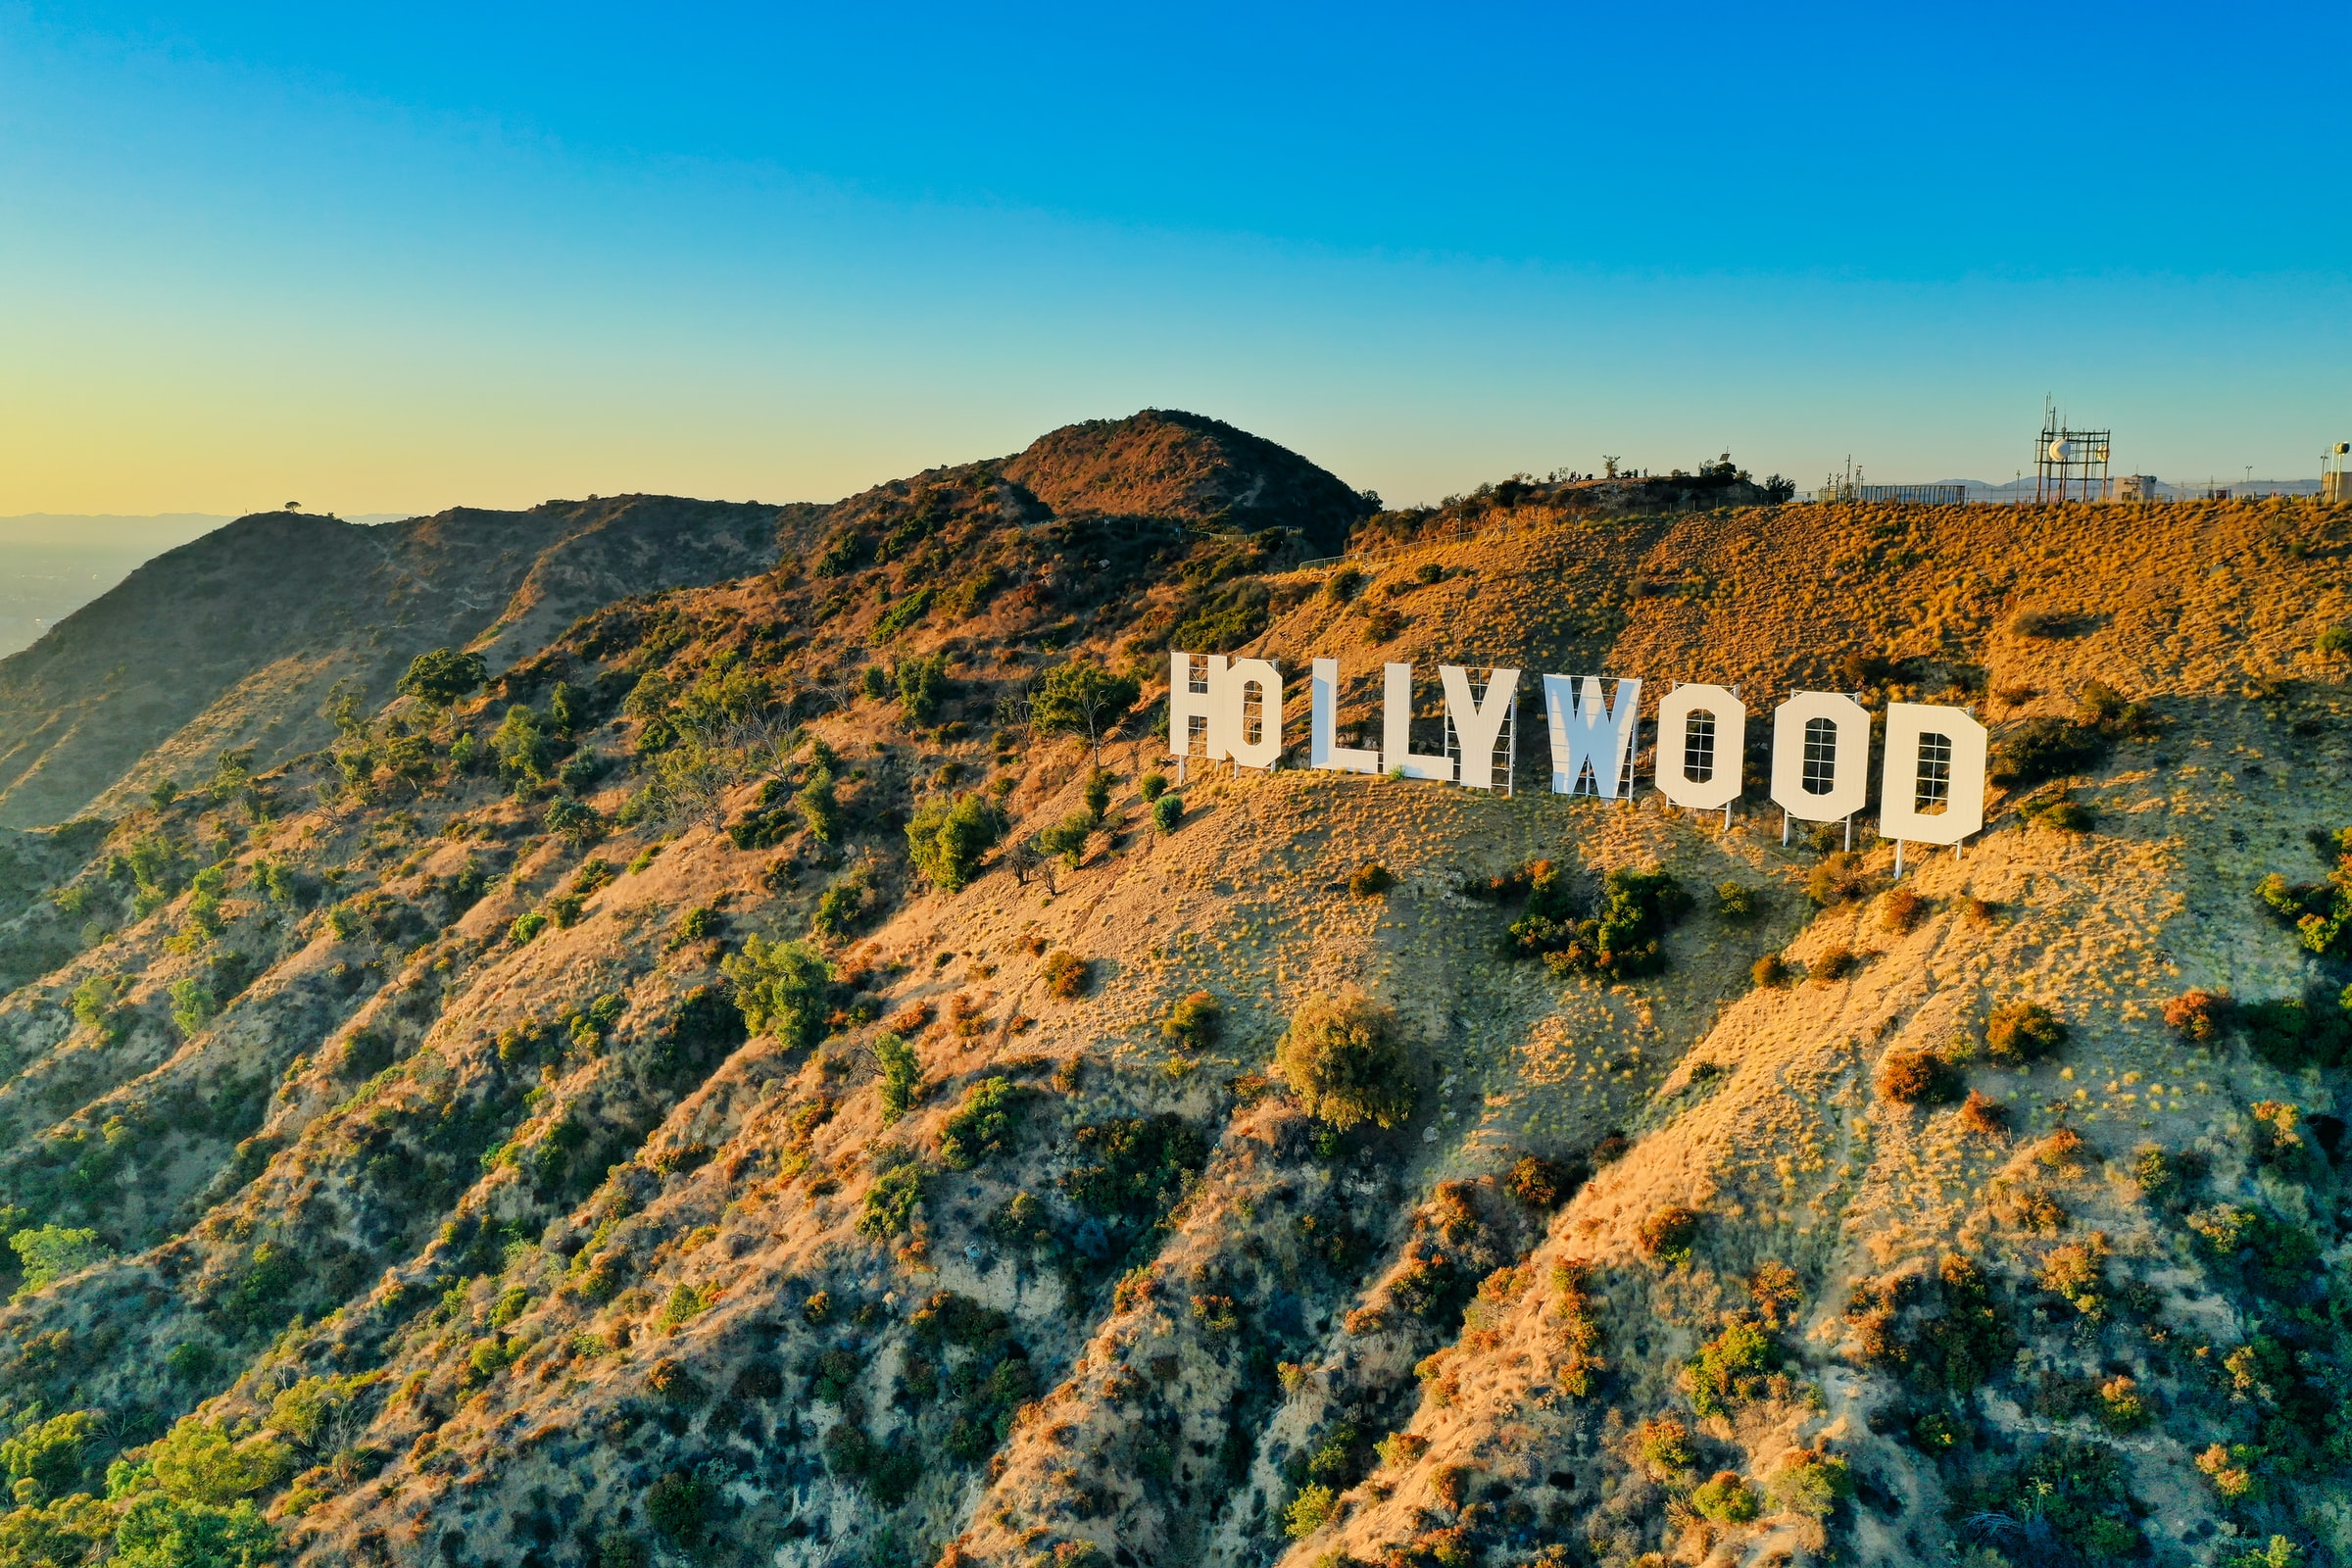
(656, 1032)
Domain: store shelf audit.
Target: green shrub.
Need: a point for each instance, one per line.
(1728, 1370)
(1152, 786)
(47, 1458)
(681, 1507)
(160, 1531)
(1664, 1444)
(2065, 814)
(1346, 1062)
(2293, 1033)
(901, 616)
(819, 808)
(1833, 963)
(891, 1201)
(886, 1473)
(1309, 1511)
(1193, 1024)
(2334, 643)
(946, 839)
(523, 748)
(2078, 1491)
(521, 932)
(1623, 940)
(50, 1251)
(848, 905)
(574, 822)
(1810, 1482)
(95, 1006)
(2044, 749)
(2023, 1032)
(1737, 903)
(443, 675)
(191, 1360)
(780, 989)
(1842, 876)
(1133, 1168)
(1727, 1499)
(1771, 971)
(1067, 839)
(985, 1124)
(193, 1005)
(1166, 813)
(1667, 1234)
(902, 1073)
(923, 686)
(617, 1548)
(1370, 880)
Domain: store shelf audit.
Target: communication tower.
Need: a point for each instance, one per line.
(2069, 465)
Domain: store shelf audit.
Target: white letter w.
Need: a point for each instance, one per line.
(1590, 736)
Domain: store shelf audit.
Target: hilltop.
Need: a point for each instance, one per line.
(248, 638)
(760, 1080)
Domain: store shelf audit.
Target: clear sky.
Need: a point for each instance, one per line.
(382, 259)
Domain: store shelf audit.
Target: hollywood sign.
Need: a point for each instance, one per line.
(1931, 789)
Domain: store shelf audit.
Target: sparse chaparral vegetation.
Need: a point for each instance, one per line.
(776, 1063)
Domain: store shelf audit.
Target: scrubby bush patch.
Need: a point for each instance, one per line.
(1345, 1061)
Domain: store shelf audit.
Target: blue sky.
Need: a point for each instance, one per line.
(401, 259)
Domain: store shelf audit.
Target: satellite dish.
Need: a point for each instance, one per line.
(2060, 451)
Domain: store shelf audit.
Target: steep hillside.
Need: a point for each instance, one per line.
(731, 1095)
(237, 639)
(247, 638)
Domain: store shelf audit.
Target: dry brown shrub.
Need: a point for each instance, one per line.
(2060, 1149)
(2071, 1271)
(1067, 974)
(1771, 971)
(1875, 1334)
(1666, 1234)
(2199, 1015)
(2030, 1207)
(1983, 1115)
(1539, 1183)
(1917, 1078)
(1902, 910)
(1842, 877)
(1663, 1444)
(1834, 964)
(1775, 1289)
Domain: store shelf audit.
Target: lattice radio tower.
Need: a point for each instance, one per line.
(2069, 465)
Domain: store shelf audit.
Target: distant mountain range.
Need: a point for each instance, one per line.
(52, 563)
